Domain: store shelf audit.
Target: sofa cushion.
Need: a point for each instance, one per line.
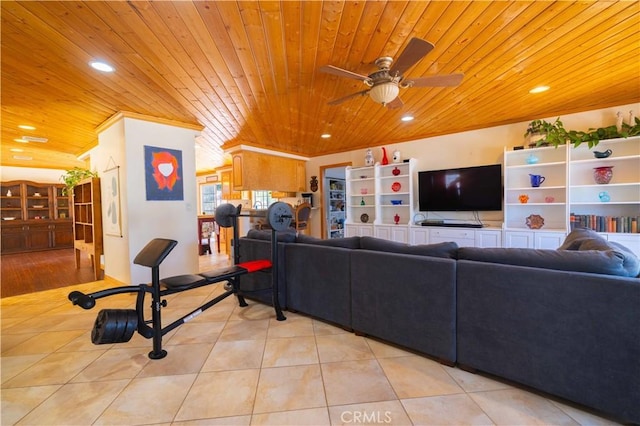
(586, 240)
(447, 250)
(610, 262)
(348, 242)
(283, 236)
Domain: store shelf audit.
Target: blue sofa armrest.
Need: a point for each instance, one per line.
(572, 334)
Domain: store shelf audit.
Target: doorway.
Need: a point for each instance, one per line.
(334, 200)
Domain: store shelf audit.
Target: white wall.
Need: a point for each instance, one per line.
(477, 147)
(123, 142)
(35, 175)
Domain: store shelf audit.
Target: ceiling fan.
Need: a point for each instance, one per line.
(385, 83)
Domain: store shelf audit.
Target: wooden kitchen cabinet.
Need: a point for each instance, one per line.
(255, 171)
(226, 180)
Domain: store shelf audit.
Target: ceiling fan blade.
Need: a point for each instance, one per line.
(444, 80)
(396, 103)
(415, 50)
(330, 69)
(346, 98)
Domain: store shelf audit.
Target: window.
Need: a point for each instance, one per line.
(210, 197)
(262, 199)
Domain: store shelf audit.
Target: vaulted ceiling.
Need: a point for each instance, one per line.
(248, 71)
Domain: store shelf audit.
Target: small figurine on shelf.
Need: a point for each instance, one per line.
(362, 201)
(397, 157)
(9, 193)
(368, 158)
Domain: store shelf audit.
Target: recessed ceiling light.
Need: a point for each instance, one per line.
(101, 66)
(539, 89)
(325, 136)
(22, 157)
(26, 127)
(16, 150)
(407, 118)
(21, 140)
(35, 139)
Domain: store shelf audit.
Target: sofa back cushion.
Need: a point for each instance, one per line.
(608, 262)
(348, 242)
(283, 236)
(446, 250)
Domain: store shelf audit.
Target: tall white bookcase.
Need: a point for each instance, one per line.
(380, 200)
(570, 190)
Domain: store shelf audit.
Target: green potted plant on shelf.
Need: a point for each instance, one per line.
(555, 133)
(73, 176)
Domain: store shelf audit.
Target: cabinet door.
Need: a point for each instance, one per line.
(62, 235)
(518, 239)
(39, 237)
(419, 235)
(400, 234)
(14, 239)
(489, 238)
(351, 230)
(548, 240)
(383, 232)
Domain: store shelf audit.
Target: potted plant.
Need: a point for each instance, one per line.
(555, 133)
(73, 176)
(541, 132)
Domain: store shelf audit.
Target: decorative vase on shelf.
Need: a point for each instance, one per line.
(368, 158)
(604, 196)
(602, 175)
(396, 219)
(395, 171)
(385, 160)
(532, 159)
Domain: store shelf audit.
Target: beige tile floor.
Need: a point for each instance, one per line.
(237, 366)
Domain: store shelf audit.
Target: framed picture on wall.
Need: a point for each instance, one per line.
(163, 174)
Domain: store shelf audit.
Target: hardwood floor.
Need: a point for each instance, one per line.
(23, 273)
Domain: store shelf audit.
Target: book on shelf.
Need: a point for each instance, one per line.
(613, 224)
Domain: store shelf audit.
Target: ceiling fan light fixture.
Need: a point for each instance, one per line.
(385, 92)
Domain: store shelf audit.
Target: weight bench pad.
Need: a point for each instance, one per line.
(235, 270)
(182, 281)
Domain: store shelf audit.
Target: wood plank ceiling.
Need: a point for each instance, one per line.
(247, 71)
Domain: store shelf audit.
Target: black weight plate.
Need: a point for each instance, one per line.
(114, 326)
(224, 215)
(279, 216)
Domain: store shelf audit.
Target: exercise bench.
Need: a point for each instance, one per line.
(119, 325)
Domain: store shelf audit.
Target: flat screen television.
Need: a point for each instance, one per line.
(464, 189)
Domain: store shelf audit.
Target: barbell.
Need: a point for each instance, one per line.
(279, 215)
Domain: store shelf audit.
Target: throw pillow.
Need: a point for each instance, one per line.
(584, 240)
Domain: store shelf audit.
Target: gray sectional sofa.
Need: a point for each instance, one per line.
(565, 322)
